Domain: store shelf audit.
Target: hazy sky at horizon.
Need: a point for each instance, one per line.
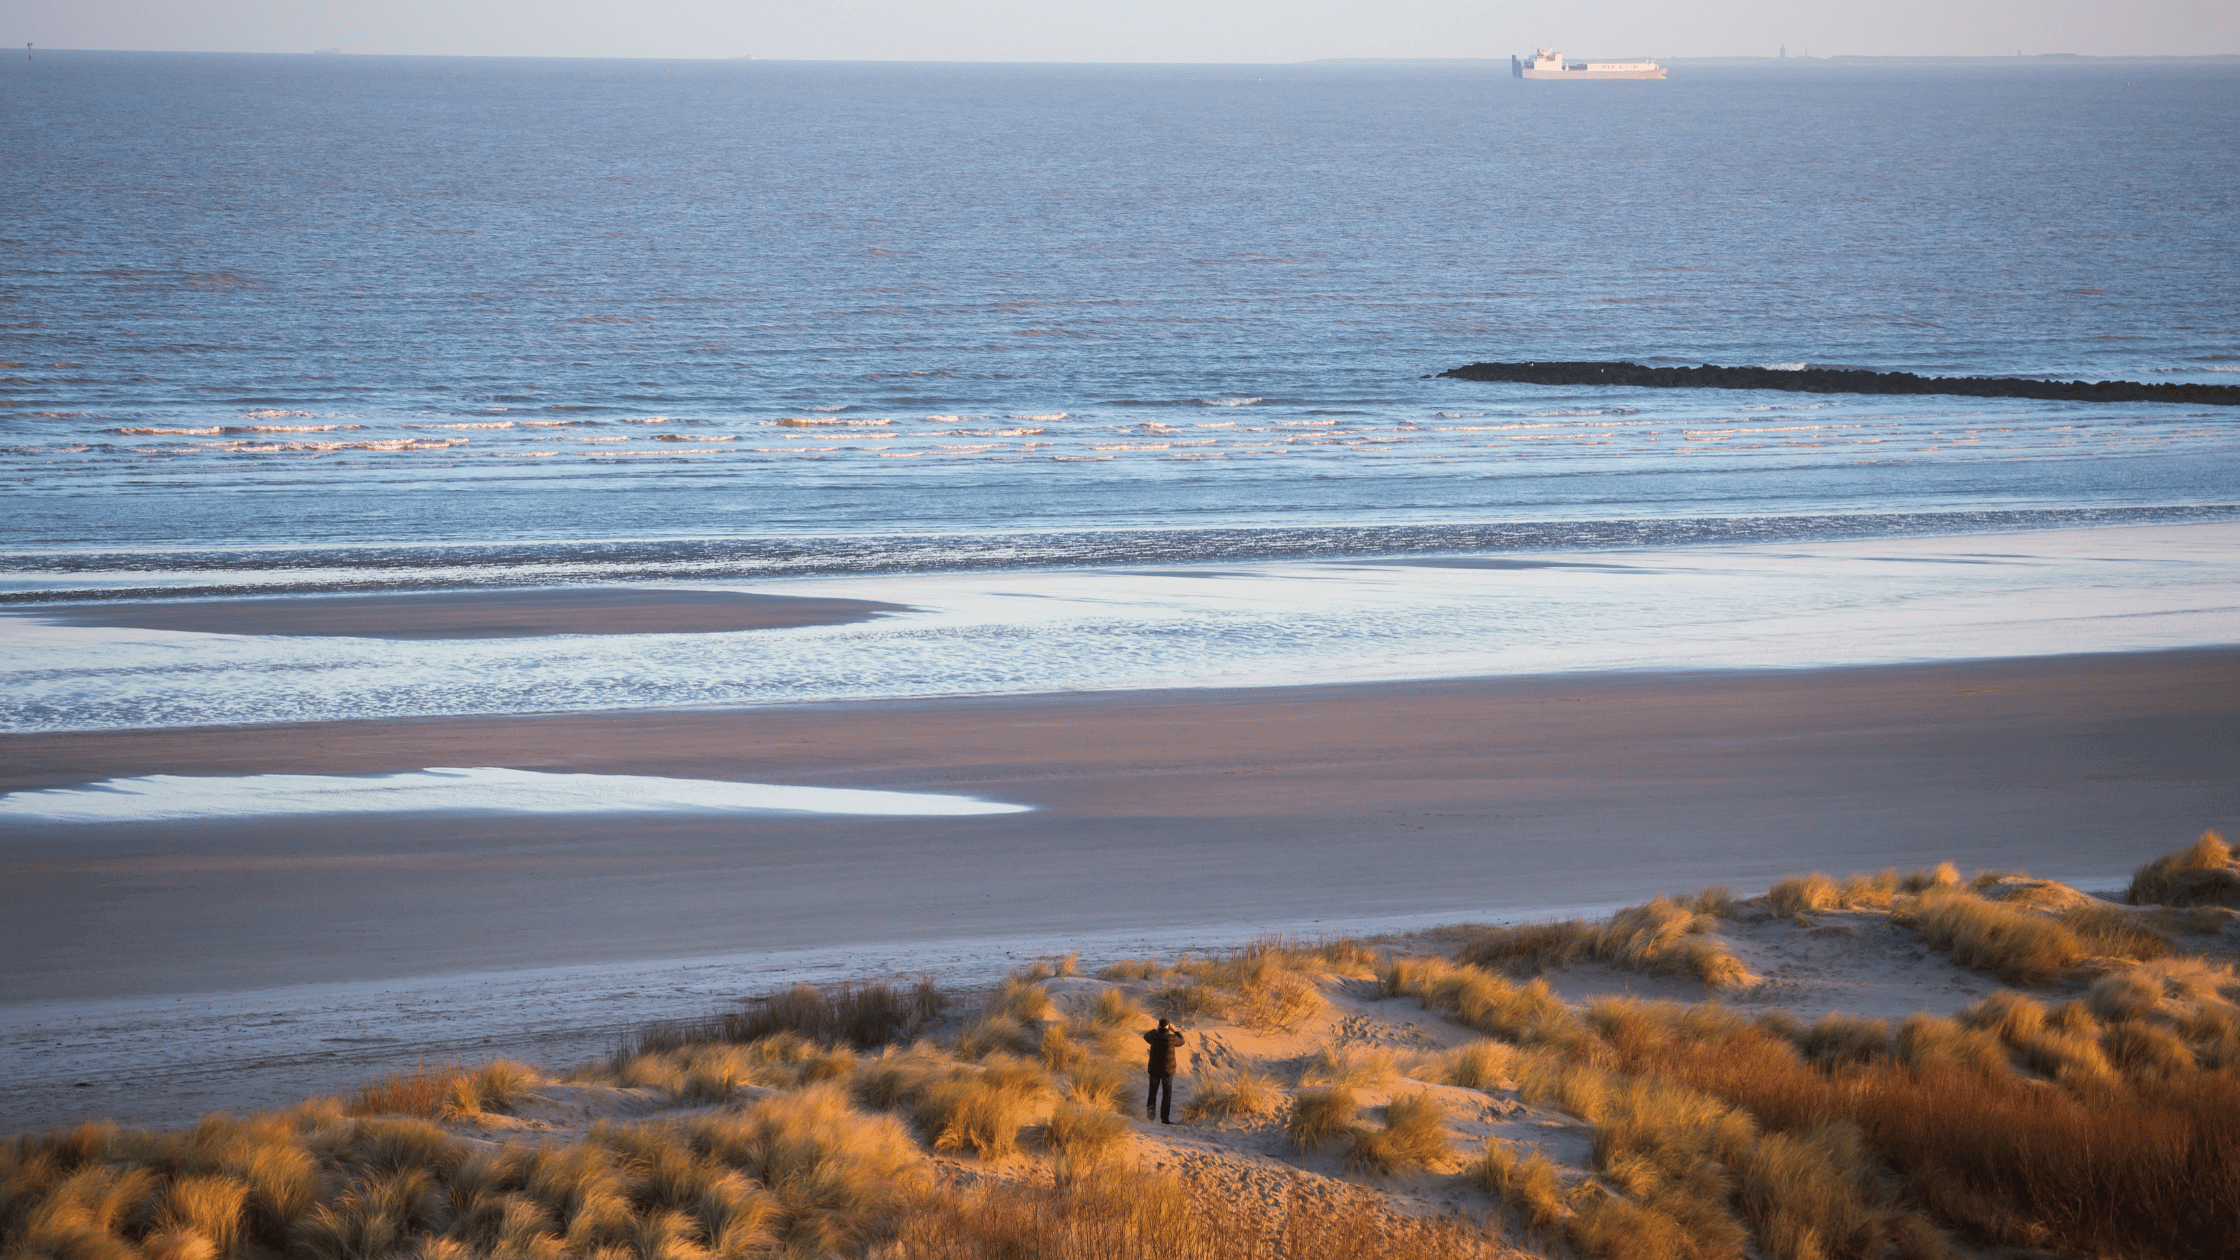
(1128, 30)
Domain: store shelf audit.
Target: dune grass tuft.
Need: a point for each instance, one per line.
(1357, 1069)
(1238, 1092)
(1099, 1083)
(1491, 1004)
(2112, 931)
(1478, 1065)
(427, 1090)
(2012, 943)
(982, 1111)
(1413, 1138)
(1927, 1044)
(864, 1016)
(1189, 1000)
(1110, 1009)
(1130, 1215)
(1083, 1135)
(1660, 936)
(2202, 873)
(1321, 1116)
(1529, 1183)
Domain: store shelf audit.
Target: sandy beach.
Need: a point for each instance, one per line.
(1154, 811)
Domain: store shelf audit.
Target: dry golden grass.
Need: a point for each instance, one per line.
(1190, 1000)
(865, 1016)
(2114, 932)
(2017, 945)
(1016, 998)
(1270, 985)
(839, 1176)
(1135, 969)
(982, 1111)
(1357, 1069)
(1478, 1065)
(1321, 1116)
(1049, 968)
(1124, 1215)
(1238, 1092)
(1808, 894)
(1112, 1008)
(424, 1091)
(1660, 936)
(2200, 874)
(446, 1091)
(2007, 1163)
(2007, 1015)
(1100, 1083)
(2010, 1163)
(1927, 1044)
(1413, 1138)
(1083, 1135)
(1529, 1183)
(1841, 1041)
(1492, 1004)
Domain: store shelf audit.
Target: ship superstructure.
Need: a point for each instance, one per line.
(1548, 63)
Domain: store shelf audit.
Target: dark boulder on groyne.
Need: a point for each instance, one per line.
(1839, 381)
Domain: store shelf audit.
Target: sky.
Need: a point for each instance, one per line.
(1131, 30)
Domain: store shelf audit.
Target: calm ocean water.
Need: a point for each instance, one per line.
(303, 323)
(369, 315)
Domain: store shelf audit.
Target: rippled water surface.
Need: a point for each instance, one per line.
(273, 312)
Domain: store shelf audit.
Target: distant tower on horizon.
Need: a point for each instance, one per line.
(1784, 51)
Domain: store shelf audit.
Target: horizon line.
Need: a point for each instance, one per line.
(1836, 58)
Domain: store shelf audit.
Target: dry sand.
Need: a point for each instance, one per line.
(1176, 817)
(476, 614)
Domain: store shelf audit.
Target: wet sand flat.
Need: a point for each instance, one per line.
(1156, 812)
(476, 614)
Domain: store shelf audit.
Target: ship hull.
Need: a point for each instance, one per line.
(1530, 73)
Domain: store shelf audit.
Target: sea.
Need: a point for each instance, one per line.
(1122, 376)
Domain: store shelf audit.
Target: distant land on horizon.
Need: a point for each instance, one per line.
(1840, 59)
(2058, 58)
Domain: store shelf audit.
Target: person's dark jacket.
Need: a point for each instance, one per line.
(1162, 1042)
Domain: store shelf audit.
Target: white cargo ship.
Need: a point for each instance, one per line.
(1548, 63)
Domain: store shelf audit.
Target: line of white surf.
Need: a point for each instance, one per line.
(170, 797)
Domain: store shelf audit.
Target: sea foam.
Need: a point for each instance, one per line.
(171, 798)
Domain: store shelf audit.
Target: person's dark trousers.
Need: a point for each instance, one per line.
(1162, 1097)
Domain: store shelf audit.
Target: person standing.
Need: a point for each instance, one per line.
(1160, 1068)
